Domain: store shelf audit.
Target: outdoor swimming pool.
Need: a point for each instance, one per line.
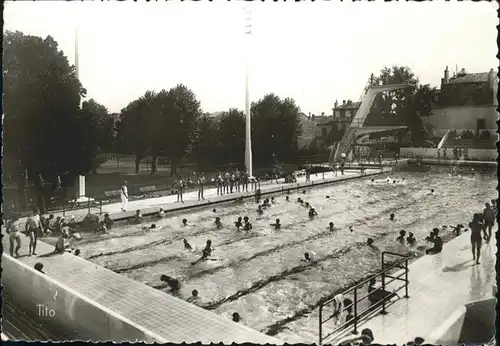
(260, 274)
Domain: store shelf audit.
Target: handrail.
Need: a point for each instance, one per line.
(401, 263)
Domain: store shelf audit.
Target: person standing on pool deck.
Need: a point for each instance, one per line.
(32, 229)
(475, 237)
(489, 221)
(201, 184)
(14, 236)
(124, 196)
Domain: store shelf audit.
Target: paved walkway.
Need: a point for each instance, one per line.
(169, 203)
(439, 285)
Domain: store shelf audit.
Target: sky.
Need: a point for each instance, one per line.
(315, 52)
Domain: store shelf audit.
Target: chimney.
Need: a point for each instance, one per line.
(309, 116)
(336, 104)
(322, 114)
(446, 75)
(343, 102)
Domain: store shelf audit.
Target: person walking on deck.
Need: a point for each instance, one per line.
(489, 221)
(124, 196)
(476, 226)
(14, 236)
(33, 228)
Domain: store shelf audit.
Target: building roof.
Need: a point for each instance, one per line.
(353, 105)
(469, 78)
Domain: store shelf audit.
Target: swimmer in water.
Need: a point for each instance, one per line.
(401, 237)
(331, 226)
(207, 252)
(259, 210)
(236, 317)
(287, 198)
(217, 222)
(153, 226)
(137, 217)
(39, 267)
(288, 192)
(312, 212)
(187, 246)
(304, 192)
(161, 213)
(276, 225)
(351, 229)
(247, 226)
(185, 222)
(194, 296)
(272, 199)
(173, 283)
(238, 223)
(307, 257)
(411, 239)
(327, 196)
(432, 190)
(306, 204)
(214, 210)
(391, 217)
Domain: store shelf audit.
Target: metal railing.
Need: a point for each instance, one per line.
(354, 316)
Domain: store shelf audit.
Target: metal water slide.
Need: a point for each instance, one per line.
(346, 144)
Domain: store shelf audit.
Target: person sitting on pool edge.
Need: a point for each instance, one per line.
(107, 221)
(312, 212)
(173, 283)
(161, 213)
(331, 226)
(401, 238)
(218, 223)
(277, 224)
(438, 243)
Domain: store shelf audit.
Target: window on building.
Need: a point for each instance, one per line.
(323, 132)
(342, 113)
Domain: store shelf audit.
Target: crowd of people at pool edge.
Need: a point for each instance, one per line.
(37, 226)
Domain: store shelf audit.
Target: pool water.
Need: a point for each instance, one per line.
(260, 274)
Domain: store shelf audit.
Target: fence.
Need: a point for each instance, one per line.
(402, 263)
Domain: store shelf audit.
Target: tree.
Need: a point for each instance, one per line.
(232, 136)
(98, 127)
(41, 106)
(275, 130)
(207, 149)
(136, 126)
(402, 106)
(179, 114)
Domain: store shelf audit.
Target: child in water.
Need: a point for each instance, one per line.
(276, 225)
(238, 223)
(218, 223)
(331, 226)
(187, 246)
(259, 210)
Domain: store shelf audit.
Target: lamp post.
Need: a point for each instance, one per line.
(248, 127)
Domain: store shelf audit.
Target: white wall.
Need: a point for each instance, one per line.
(72, 311)
(431, 153)
(461, 118)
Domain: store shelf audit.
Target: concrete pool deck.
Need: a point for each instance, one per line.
(440, 285)
(169, 203)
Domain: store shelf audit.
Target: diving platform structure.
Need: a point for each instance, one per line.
(356, 128)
